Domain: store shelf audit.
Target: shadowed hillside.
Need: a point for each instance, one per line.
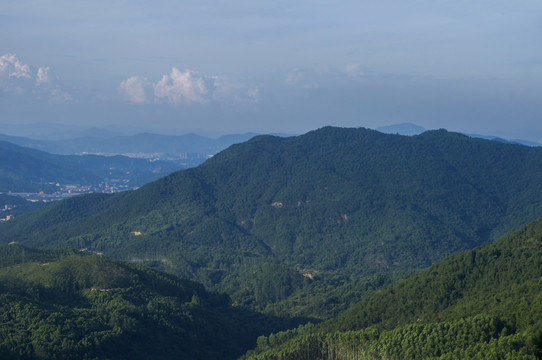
(57, 305)
(484, 303)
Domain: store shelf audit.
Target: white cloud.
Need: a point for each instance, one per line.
(181, 87)
(133, 89)
(20, 79)
(14, 75)
(42, 77)
(48, 87)
(188, 87)
(13, 67)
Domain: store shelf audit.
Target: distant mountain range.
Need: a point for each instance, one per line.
(28, 170)
(513, 141)
(140, 142)
(262, 218)
(158, 146)
(52, 131)
(410, 129)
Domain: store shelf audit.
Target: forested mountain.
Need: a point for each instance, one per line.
(162, 145)
(484, 303)
(273, 219)
(28, 170)
(57, 305)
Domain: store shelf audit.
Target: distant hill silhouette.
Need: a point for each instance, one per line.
(28, 170)
(410, 129)
(163, 146)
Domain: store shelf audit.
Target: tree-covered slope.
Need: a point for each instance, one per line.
(60, 306)
(484, 303)
(332, 202)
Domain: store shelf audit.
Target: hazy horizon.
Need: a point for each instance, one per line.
(274, 67)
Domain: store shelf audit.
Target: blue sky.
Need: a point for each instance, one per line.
(274, 66)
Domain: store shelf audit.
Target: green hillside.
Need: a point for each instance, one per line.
(278, 222)
(484, 303)
(60, 306)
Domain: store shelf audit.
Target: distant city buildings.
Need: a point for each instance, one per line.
(7, 208)
(64, 191)
(191, 156)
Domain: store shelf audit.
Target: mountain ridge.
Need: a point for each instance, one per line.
(163, 146)
(349, 202)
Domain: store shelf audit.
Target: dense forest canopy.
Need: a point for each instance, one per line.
(310, 215)
(484, 303)
(64, 305)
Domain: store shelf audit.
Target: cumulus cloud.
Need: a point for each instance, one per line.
(186, 87)
(133, 90)
(13, 67)
(14, 75)
(42, 77)
(21, 79)
(181, 87)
